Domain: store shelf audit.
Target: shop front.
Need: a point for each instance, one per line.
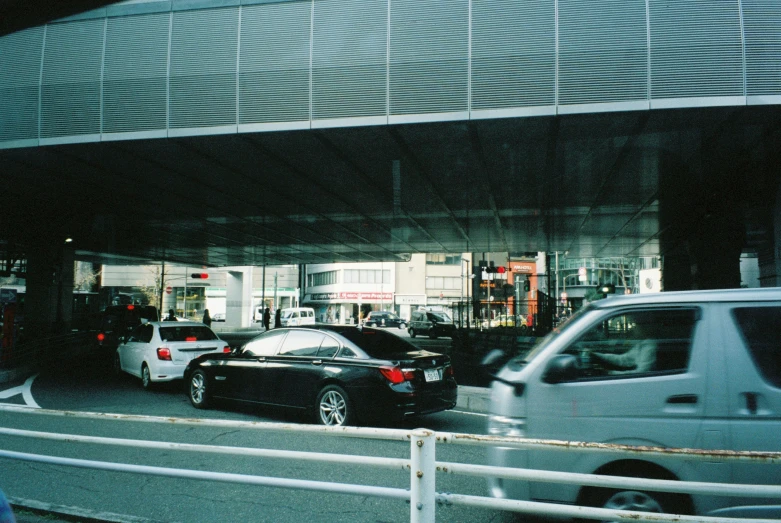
(347, 308)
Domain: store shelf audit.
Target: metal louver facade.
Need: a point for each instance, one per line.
(154, 69)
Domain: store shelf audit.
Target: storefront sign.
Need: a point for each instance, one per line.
(352, 296)
(410, 299)
(525, 267)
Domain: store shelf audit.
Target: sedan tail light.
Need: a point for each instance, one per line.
(226, 349)
(396, 375)
(449, 370)
(164, 353)
(101, 337)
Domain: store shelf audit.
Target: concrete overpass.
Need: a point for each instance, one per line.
(228, 132)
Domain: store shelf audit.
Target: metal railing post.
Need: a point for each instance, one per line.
(422, 476)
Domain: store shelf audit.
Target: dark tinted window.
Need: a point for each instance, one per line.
(328, 348)
(439, 316)
(761, 329)
(264, 345)
(187, 333)
(302, 343)
(378, 343)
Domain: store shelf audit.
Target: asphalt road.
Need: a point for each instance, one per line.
(89, 385)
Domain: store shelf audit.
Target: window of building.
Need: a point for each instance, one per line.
(443, 282)
(366, 276)
(443, 259)
(323, 278)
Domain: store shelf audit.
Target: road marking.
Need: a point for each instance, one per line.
(472, 413)
(25, 390)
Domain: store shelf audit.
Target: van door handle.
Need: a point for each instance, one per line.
(751, 402)
(682, 399)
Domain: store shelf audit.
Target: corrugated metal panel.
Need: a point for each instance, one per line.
(603, 51)
(695, 49)
(429, 56)
(349, 58)
(134, 75)
(274, 62)
(20, 74)
(70, 94)
(203, 68)
(762, 29)
(513, 53)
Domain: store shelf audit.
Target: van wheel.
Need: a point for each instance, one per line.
(412, 333)
(641, 501)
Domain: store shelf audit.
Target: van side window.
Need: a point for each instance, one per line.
(761, 330)
(636, 343)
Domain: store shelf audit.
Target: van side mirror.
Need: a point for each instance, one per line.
(560, 369)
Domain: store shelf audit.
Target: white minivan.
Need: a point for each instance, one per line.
(696, 369)
(294, 316)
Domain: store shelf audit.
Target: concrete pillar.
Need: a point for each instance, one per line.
(238, 297)
(48, 307)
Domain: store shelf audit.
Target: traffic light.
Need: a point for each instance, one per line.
(495, 270)
(200, 275)
(607, 288)
(527, 285)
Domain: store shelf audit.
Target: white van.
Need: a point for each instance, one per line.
(297, 316)
(698, 370)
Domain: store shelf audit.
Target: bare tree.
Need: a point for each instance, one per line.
(84, 276)
(152, 292)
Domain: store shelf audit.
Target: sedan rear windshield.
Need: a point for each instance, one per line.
(187, 333)
(378, 344)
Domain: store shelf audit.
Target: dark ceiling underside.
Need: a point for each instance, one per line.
(607, 184)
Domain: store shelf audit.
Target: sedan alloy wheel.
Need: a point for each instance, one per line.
(199, 392)
(333, 406)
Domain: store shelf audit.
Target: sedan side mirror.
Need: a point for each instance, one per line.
(560, 369)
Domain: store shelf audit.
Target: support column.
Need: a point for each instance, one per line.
(48, 306)
(238, 297)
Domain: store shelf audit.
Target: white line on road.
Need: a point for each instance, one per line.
(472, 413)
(25, 390)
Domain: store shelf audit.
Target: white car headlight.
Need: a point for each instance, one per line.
(504, 426)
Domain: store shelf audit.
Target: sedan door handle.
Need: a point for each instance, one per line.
(682, 399)
(317, 362)
(262, 358)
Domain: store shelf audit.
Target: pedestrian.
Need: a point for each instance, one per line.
(267, 318)
(171, 316)
(278, 318)
(207, 320)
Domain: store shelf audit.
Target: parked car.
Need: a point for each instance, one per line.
(698, 370)
(116, 322)
(384, 319)
(293, 316)
(218, 316)
(160, 351)
(431, 324)
(342, 374)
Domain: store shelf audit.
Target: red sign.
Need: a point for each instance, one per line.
(169, 290)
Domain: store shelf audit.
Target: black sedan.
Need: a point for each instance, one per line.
(342, 374)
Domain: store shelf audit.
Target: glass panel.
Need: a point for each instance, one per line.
(761, 329)
(302, 343)
(636, 343)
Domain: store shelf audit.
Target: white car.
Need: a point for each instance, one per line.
(160, 351)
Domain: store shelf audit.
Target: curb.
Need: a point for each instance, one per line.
(474, 399)
(68, 513)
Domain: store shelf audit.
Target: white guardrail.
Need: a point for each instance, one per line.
(422, 494)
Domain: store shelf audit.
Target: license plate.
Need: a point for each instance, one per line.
(432, 374)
